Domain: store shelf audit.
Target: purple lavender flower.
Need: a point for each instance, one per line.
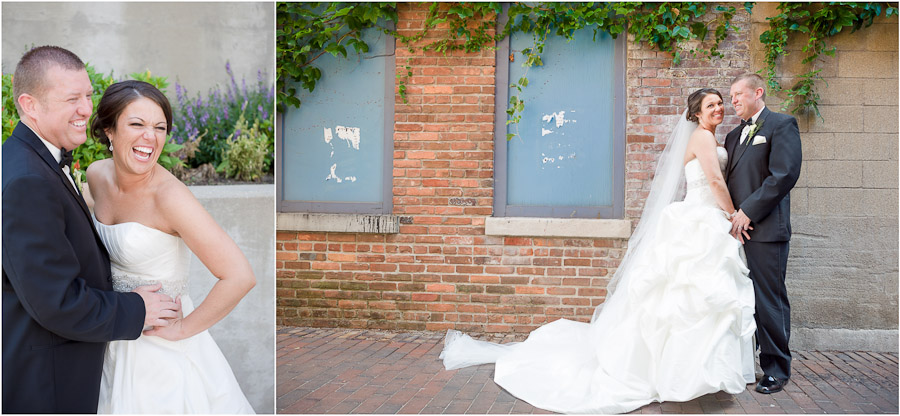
(179, 92)
(244, 105)
(190, 112)
(244, 86)
(231, 75)
(237, 133)
(226, 112)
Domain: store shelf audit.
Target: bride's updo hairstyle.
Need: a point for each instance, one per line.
(117, 97)
(696, 99)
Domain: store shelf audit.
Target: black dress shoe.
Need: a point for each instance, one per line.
(769, 384)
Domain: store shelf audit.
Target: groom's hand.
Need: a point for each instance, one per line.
(173, 332)
(160, 309)
(740, 224)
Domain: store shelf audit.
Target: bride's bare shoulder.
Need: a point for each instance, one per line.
(702, 136)
(99, 171)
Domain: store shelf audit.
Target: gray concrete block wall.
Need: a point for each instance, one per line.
(843, 267)
(187, 42)
(247, 335)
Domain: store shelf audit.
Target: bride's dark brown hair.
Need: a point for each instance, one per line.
(117, 97)
(695, 100)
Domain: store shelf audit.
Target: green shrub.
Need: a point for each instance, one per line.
(245, 158)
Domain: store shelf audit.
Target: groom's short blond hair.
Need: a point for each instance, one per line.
(754, 80)
(29, 75)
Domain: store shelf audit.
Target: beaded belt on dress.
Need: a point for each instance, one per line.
(127, 283)
(697, 183)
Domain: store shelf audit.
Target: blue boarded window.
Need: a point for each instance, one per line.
(567, 160)
(334, 154)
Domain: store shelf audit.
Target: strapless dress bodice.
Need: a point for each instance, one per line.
(140, 255)
(697, 183)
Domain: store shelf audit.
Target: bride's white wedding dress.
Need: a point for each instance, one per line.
(151, 374)
(678, 327)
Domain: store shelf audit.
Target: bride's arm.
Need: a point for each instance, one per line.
(91, 177)
(216, 250)
(704, 147)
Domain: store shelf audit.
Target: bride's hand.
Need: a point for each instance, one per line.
(174, 331)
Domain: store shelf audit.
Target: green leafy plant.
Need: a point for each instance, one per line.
(10, 114)
(207, 123)
(306, 31)
(245, 158)
(814, 23)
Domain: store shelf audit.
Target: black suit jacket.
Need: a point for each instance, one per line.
(59, 309)
(760, 177)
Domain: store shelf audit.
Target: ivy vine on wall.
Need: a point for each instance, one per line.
(814, 23)
(307, 31)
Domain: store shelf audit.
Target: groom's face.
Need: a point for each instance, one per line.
(744, 99)
(62, 109)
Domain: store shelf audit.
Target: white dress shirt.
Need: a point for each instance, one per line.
(746, 129)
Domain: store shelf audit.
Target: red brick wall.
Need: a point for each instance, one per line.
(440, 271)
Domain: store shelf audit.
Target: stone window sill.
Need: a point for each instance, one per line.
(338, 223)
(558, 227)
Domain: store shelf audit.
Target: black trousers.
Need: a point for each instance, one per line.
(768, 267)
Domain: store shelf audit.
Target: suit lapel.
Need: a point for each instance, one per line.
(26, 135)
(730, 142)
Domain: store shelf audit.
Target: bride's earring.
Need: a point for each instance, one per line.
(110, 146)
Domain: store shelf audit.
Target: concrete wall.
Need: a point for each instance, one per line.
(187, 42)
(247, 335)
(842, 271)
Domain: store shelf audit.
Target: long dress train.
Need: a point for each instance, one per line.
(679, 327)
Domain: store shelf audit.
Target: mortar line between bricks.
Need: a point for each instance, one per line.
(867, 372)
(833, 369)
(832, 392)
(858, 386)
(875, 358)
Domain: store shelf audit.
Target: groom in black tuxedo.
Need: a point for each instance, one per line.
(59, 309)
(764, 156)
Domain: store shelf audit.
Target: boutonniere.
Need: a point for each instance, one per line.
(79, 176)
(755, 128)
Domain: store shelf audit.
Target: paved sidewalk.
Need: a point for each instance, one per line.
(327, 370)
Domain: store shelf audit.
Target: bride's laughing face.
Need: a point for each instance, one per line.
(712, 110)
(139, 136)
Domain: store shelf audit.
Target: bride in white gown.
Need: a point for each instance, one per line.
(147, 219)
(678, 320)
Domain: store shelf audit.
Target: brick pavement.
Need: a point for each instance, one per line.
(328, 370)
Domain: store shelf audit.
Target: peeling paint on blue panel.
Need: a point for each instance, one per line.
(563, 155)
(334, 143)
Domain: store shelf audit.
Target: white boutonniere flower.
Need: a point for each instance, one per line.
(755, 128)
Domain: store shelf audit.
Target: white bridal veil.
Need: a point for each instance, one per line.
(668, 186)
